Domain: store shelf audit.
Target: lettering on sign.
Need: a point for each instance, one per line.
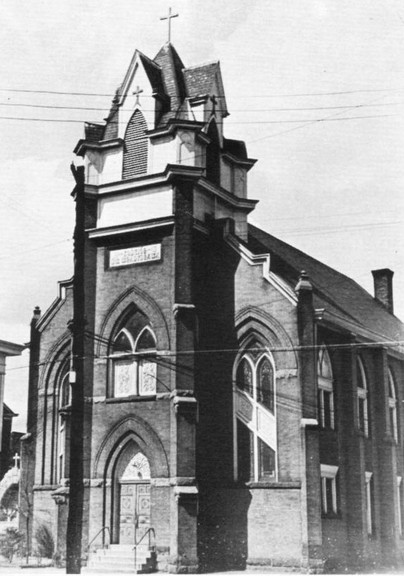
(136, 255)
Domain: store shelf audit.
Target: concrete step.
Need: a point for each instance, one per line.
(112, 570)
(117, 555)
(120, 559)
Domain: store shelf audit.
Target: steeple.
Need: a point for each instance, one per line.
(167, 117)
(172, 68)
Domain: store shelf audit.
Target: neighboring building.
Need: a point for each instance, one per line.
(6, 415)
(249, 412)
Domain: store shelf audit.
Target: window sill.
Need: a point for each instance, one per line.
(130, 399)
(271, 485)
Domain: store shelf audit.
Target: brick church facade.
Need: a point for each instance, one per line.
(241, 398)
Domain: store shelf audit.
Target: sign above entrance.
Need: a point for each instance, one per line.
(136, 255)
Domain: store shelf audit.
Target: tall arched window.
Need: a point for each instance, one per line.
(362, 398)
(136, 146)
(254, 415)
(132, 355)
(325, 390)
(393, 407)
(213, 155)
(64, 399)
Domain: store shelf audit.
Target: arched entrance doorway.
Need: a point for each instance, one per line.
(132, 497)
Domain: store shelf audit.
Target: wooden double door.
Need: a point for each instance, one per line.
(134, 513)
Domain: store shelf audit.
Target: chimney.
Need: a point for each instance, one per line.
(383, 283)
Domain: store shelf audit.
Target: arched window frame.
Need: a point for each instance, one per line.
(63, 423)
(325, 390)
(137, 367)
(263, 456)
(392, 401)
(362, 397)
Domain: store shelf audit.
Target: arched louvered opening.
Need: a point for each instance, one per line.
(136, 144)
(213, 155)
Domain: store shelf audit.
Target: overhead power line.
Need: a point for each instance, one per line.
(249, 110)
(299, 121)
(286, 95)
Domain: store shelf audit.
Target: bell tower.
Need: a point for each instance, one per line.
(157, 173)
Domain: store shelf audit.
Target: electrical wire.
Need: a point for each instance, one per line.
(286, 95)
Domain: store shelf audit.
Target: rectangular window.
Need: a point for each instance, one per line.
(244, 452)
(266, 461)
(326, 408)
(329, 490)
(369, 502)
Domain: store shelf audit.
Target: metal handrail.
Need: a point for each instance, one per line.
(103, 529)
(148, 532)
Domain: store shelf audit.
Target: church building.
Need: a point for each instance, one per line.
(243, 402)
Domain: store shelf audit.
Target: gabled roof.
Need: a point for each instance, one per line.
(171, 82)
(10, 348)
(336, 293)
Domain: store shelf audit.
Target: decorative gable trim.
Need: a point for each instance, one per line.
(260, 260)
(63, 286)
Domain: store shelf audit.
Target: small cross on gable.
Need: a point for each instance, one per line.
(16, 459)
(136, 93)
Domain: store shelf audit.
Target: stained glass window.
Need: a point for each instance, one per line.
(265, 384)
(255, 406)
(134, 374)
(244, 377)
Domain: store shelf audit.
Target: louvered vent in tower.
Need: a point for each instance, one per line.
(135, 154)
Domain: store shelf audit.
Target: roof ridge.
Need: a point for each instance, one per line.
(202, 65)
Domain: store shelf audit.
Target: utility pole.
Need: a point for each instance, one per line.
(76, 488)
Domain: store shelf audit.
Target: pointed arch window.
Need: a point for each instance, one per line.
(136, 147)
(362, 398)
(132, 355)
(254, 416)
(393, 407)
(325, 390)
(64, 399)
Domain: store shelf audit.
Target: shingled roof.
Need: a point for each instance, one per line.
(198, 79)
(333, 291)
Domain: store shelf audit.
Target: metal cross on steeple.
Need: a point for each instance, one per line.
(136, 93)
(169, 18)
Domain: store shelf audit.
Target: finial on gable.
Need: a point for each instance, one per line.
(304, 282)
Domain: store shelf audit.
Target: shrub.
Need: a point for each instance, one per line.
(11, 543)
(45, 541)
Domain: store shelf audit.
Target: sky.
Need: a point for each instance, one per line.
(315, 88)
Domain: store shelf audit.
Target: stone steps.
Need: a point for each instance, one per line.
(120, 559)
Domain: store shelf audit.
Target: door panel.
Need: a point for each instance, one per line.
(134, 517)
